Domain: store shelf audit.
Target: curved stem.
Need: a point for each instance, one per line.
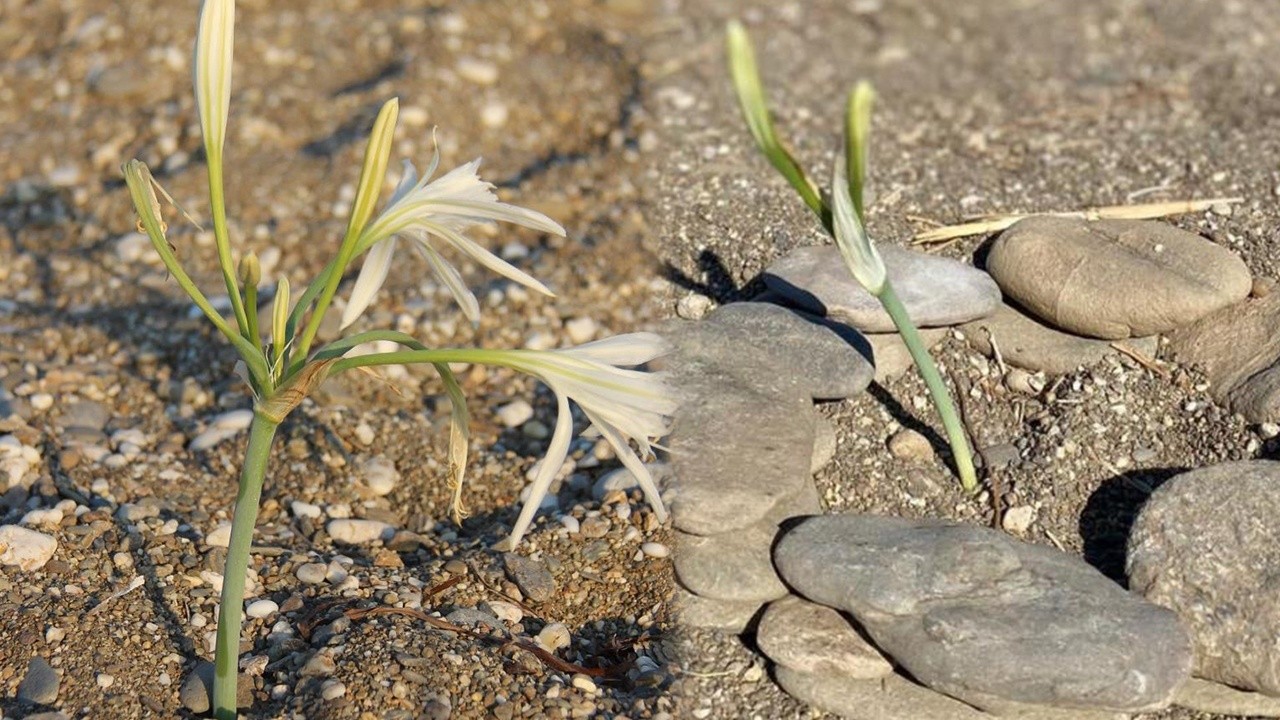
(218, 205)
(937, 388)
(227, 654)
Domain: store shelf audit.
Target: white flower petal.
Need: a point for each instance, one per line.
(373, 273)
(452, 279)
(860, 255)
(551, 462)
(629, 349)
(633, 463)
(488, 259)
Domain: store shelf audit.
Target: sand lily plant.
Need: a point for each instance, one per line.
(281, 368)
(842, 219)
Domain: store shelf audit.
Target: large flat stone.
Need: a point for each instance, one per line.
(766, 344)
(1238, 349)
(972, 613)
(936, 291)
(721, 615)
(1115, 279)
(1027, 343)
(1207, 546)
(896, 698)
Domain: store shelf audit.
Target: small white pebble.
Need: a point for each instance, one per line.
(553, 637)
(42, 401)
(480, 72)
(494, 115)
(655, 550)
(581, 330)
(1017, 520)
(219, 536)
(571, 524)
(311, 573)
(305, 509)
(364, 434)
(332, 690)
(515, 413)
(261, 608)
(584, 683)
(54, 635)
(105, 680)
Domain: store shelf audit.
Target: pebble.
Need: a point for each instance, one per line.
(1203, 545)
(261, 608)
(305, 510)
(41, 401)
(824, 445)
(694, 307)
(532, 577)
(105, 680)
(219, 536)
(936, 291)
(553, 637)
(571, 524)
(814, 638)
(655, 549)
(494, 114)
(41, 683)
(319, 665)
(133, 247)
(584, 683)
(311, 573)
(480, 72)
(27, 549)
(908, 444)
(1018, 519)
(999, 624)
(332, 690)
(197, 689)
(1027, 343)
(1079, 275)
(581, 330)
(621, 480)
(358, 532)
(380, 475)
(509, 613)
(515, 413)
(48, 518)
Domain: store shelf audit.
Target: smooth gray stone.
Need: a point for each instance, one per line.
(828, 360)
(471, 617)
(1027, 343)
(1083, 276)
(972, 613)
(891, 356)
(41, 683)
(1207, 696)
(735, 454)
(936, 291)
(707, 614)
(1233, 344)
(738, 565)
(814, 638)
(532, 577)
(85, 415)
(1207, 546)
(1258, 398)
(896, 698)
(196, 692)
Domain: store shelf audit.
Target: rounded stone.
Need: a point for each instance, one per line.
(1207, 546)
(936, 291)
(1080, 275)
(814, 638)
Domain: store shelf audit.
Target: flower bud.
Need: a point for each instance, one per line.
(250, 271)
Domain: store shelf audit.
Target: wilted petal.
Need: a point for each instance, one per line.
(488, 259)
(551, 462)
(373, 273)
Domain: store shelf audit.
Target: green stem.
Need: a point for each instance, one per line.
(227, 654)
(218, 205)
(937, 388)
(251, 313)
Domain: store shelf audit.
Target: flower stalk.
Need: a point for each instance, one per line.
(842, 219)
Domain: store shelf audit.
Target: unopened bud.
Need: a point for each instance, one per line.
(280, 314)
(250, 271)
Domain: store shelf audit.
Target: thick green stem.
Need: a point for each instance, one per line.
(937, 388)
(227, 654)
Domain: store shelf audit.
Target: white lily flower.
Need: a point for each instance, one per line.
(214, 40)
(860, 255)
(623, 406)
(442, 210)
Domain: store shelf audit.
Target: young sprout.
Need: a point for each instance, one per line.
(623, 405)
(843, 221)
